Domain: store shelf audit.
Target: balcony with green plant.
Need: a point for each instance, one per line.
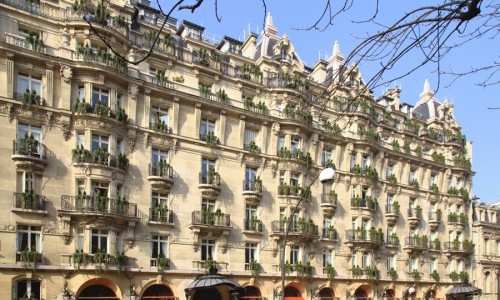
(161, 262)
(417, 243)
(250, 72)
(414, 216)
(329, 271)
(254, 267)
(29, 202)
(435, 275)
(299, 114)
(209, 182)
(332, 128)
(462, 162)
(329, 202)
(252, 190)
(160, 126)
(392, 213)
(411, 126)
(393, 241)
(296, 155)
(460, 248)
(250, 105)
(303, 269)
(30, 99)
(161, 215)
(393, 274)
(295, 191)
(363, 238)
(369, 204)
(210, 219)
(210, 138)
(29, 258)
(367, 172)
(29, 150)
(252, 147)
(161, 175)
(435, 218)
(301, 229)
(254, 225)
(370, 136)
(329, 234)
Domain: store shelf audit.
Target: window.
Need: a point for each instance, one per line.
(433, 265)
(294, 179)
(326, 156)
(80, 239)
(118, 242)
(412, 175)
(364, 162)
(158, 154)
(294, 143)
(327, 258)
(432, 180)
(294, 254)
(119, 147)
(159, 247)
(206, 127)
(29, 289)
(207, 249)
(365, 262)
(250, 254)
(81, 92)
(389, 171)
(250, 212)
(29, 82)
(249, 178)
(159, 115)
(282, 218)
(100, 142)
(159, 200)
(486, 246)
(28, 181)
(460, 266)
(208, 204)
(413, 264)
(354, 260)
(99, 240)
(250, 136)
(80, 140)
(282, 177)
(353, 161)
(206, 164)
(99, 95)
(281, 142)
(25, 131)
(29, 237)
(100, 188)
(390, 262)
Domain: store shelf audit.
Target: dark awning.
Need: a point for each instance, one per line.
(210, 281)
(464, 289)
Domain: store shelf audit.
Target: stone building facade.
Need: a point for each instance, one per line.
(123, 178)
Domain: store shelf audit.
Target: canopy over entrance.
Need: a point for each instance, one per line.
(208, 282)
(462, 290)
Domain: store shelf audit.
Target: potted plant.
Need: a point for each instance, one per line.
(210, 266)
(439, 215)
(393, 274)
(254, 268)
(162, 262)
(415, 274)
(395, 207)
(435, 275)
(212, 176)
(100, 259)
(79, 259)
(29, 258)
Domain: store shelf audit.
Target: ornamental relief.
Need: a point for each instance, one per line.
(159, 140)
(83, 124)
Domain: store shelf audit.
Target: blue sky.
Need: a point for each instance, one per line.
(478, 123)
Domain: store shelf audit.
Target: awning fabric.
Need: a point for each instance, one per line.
(294, 298)
(464, 289)
(209, 281)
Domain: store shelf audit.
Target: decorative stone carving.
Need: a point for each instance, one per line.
(7, 227)
(133, 91)
(131, 143)
(276, 128)
(66, 73)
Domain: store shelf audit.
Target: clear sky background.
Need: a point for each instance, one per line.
(480, 124)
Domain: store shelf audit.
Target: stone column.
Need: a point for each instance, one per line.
(9, 65)
(147, 109)
(65, 93)
(222, 127)
(263, 138)
(174, 120)
(241, 136)
(48, 93)
(197, 120)
(133, 91)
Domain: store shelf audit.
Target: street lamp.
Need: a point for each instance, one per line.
(326, 175)
(133, 294)
(66, 295)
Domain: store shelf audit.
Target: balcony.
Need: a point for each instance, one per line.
(84, 206)
(161, 175)
(414, 216)
(29, 154)
(364, 207)
(29, 258)
(32, 42)
(209, 184)
(210, 139)
(160, 126)
(364, 239)
(329, 202)
(210, 221)
(253, 225)
(99, 164)
(392, 213)
(392, 241)
(294, 159)
(29, 202)
(300, 230)
(161, 216)
(252, 191)
(435, 245)
(434, 220)
(458, 220)
(459, 248)
(416, 243)
(329, 234)
(293, 194)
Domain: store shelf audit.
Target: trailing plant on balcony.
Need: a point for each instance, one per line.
(101, 14)
(436, 244)
(424, 241)
(360, 233)
(303, 269)
(101, 202)
(395, 145)
(415, 274)
(298, 113)
(122, 161)
(331, 232)
(287, 267)
(162, 262)
(79, 259)
(330, 271)
(202, 57)
(332, 196)
(212, 176)
(28, 144)
(435, 275)
(395, 207)
(104, 55)
(369, 135)
(464, 277)
(100, 156)
(100, 259)
(160, 77)
(120, 260)
(101, 109)
(439, 215)
(407, 148)
(168, 44)
(394, 239)
(221, 96)
(367, 171)
(438, 158)
(435, 189)
(121, 205)
(356, 272)
(35, 42)
(160, 213)
(211, 139)
(29, 258)
(371, 202)
(84, 51)
(252, 147)
(255, 223)
(30, 98)
(80, 154)
(160, 125)
(392, 179)
(162, 168)
(453, 191)
(121, 116)
(418, 212)
(257, 184)
(29, 200)
(393, 274)
(412, 126)
(464, 193)
(80, 200)
(209, 264)
(418, 151)
(468, 246)
(254, 268)
(462, 161)
(250, 70)
(30, 296)
(372, 273)
(331, 128)
(329, 164)
(456, 244)
(78, 6)
(454, 276)
(463, 219)
(414, 184)
(81, 107)
(205, 91)
(120, 21)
